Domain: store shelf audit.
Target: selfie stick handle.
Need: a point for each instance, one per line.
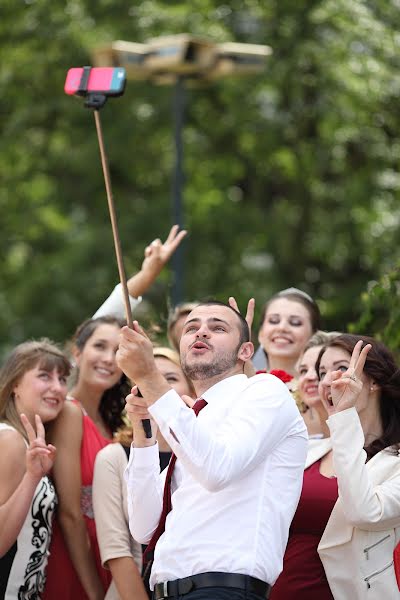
(111, 207)
(145, 422)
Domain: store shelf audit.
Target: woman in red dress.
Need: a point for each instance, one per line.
(303, 574)
(85, 425)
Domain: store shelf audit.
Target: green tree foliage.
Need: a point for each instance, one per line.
(380, 315)
(292, 176)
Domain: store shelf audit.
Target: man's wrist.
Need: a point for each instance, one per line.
(152, 386)
(143, 442)
(140, 283)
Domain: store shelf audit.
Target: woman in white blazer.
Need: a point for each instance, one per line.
(360, 389)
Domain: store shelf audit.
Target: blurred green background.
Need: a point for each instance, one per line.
(292, 176)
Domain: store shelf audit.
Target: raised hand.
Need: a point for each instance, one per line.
(157, 254)
(249, 313)
(249, 369)
(341, 389)
(135, 352)
(39, 455)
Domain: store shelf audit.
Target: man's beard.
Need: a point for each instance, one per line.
(222, 363)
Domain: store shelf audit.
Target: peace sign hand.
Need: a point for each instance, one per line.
(158, 253)
(341, 389)
(249, 312)
(39, 455)
(249, 369)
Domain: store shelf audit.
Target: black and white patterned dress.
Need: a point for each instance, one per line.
(23, 567)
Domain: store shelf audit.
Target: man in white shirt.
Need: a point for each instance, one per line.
(239, 468)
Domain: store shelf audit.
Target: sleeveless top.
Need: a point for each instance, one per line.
(61, 569)
(303, 576)
(23, 567)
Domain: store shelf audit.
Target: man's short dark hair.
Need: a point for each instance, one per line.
(244, 330)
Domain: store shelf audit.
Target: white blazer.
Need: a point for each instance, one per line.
(356, 548)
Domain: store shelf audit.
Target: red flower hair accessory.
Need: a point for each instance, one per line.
(282, 375)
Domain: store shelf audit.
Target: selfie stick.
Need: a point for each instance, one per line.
(113, 218)
(96, 101)
(145, 422)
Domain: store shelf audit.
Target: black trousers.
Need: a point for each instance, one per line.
(218, 593)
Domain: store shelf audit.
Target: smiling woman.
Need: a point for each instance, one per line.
(33, 382)
(307, 395)
(289, 319)
(342, 545)
(85, 426)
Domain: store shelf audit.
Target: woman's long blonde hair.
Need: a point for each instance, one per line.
(23, 358)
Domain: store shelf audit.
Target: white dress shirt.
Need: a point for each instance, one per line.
(236, 482)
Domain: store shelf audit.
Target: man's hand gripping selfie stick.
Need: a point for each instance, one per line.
(96, 98)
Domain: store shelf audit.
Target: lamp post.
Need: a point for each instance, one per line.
(172, 60)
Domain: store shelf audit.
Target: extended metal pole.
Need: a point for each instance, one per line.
(117, 244)
(178, 181)
(113, 219)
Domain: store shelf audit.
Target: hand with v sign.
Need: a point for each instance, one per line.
(39, 455)
(339, 389)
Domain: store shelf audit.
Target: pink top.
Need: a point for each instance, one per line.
(60, 569)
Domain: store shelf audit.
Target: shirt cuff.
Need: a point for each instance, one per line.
(114, 305)
(166, 407)
(144, 457)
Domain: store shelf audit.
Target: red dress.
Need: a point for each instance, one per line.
(303, 576)
(62, 582)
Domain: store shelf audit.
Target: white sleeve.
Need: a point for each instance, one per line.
(264, 415)
(145, 487)
(114, 305)
(367, 506)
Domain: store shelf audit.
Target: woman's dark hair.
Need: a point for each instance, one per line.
(303, 298)
(113, 400)
(381, 367)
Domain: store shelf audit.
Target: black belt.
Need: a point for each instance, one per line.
(180, 587)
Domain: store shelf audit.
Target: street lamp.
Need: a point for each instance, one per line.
(172, 60)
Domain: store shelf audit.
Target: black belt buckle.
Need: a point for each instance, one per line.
(179, 587)
(161, 590)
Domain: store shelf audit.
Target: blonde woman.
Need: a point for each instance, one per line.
(119, 552)
(33, 389)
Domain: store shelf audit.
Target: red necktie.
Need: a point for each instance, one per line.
(167, 505)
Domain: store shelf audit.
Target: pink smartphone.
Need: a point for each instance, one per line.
(109, 81)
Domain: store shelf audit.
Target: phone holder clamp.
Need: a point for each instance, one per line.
(94, 100)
